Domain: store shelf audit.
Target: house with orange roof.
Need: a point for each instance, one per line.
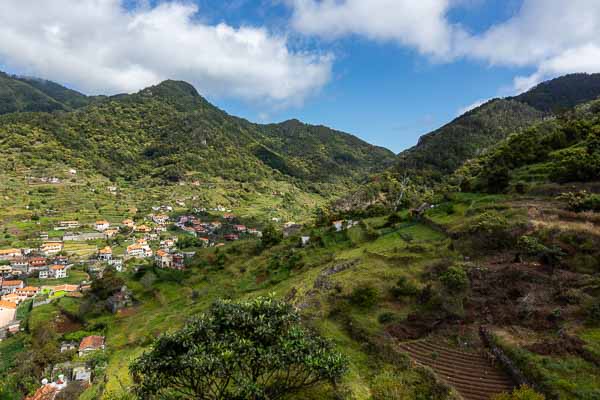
(12, 297)
(163, 259)
(160, 219)
(111, 232)
(57, 272)
(90, 344)
(143, 229)
(101, 225)
(105, 254)
(51, 247)
(27, 292)
(7, 254)
(139, 250)
(128, 223)
(7, 287)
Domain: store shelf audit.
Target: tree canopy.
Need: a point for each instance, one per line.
(255, 349)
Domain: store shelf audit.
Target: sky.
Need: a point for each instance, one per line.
(387, 71)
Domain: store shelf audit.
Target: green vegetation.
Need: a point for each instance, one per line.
(251, 350)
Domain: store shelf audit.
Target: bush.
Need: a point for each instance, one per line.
(581, 201)
(386, 317)
(364, 296)
(455, 279)
(522, 393)
(404, 288)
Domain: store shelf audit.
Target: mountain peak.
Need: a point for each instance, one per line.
(181, 94)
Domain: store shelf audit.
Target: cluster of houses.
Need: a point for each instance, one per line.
(44, 262)
(71, 372)
(210, 233)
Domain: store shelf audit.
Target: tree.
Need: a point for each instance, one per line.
(254, 350)
(270, 236)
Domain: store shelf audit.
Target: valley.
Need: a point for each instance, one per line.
(467, 267)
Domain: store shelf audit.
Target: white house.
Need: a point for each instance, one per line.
(57, 272)
(51, 247)
(101, 225)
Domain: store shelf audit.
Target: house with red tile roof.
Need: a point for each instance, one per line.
(90, 344)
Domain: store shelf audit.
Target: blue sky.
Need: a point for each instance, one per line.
(387, 71)
(380, 91)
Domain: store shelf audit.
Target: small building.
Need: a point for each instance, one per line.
(10, 286)
(116, 263)
(44, 273)
(122, 299)
(62, 225)
(90, 344)
(111, 232)
(128, 223)
(68, 346)
(178, 261)
(143, 229)
(101, 225)
(57, 272)
(139, 250)
(231, 237)
(105, 254)
(240, 228)
(20, 264)
(160, 219)
(35, 263)
(7, 254)
(163, 259)
(51, 247)
(27, 292)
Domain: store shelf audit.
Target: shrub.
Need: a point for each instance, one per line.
(522, 393)
(581, 201)
(404, 288)
(455, 279)
(386, 317)
(364, 296)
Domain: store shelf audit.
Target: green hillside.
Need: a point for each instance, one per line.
(443, 150)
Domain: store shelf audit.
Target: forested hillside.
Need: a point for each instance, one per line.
(470, 135)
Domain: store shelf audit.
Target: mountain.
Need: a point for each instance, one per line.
(442, 151)
(168, 135)
(21, 94)
(564, 93)
(555, 151)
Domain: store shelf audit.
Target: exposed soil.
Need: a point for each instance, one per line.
(525, 294)
(64, 324)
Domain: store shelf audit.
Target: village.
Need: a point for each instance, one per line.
(31, 277)
(49, 269)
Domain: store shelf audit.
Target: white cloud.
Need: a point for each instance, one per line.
(418, 24)
(98, 46)
(472, 106)
(551, 36)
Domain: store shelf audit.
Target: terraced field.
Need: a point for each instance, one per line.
(473, 376)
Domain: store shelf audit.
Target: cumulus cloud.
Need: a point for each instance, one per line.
(99, 46)
(552, 36)
(419, 24)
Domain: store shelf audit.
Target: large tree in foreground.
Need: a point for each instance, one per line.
(255, 350)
